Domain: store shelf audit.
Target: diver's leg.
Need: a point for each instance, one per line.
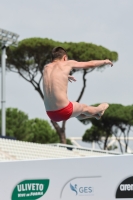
(88, 111)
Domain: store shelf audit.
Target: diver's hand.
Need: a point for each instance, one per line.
(71, 78)
(108, 62)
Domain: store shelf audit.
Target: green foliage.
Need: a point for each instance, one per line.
(34, 53)
(87, 51)
(30, 54)
(93, 134)
(35, 130)
(40, 131)
(117, 121)
(15, 123)
(111, 148)
(68, 141)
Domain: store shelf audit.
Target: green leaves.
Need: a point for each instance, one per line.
(40, 131)
(93, 134)
(33, 130)
(116, 121)
(15, 123)
(38, 50)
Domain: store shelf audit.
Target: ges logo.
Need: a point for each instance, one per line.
(82, 190)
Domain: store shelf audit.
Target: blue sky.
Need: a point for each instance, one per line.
(106, 23)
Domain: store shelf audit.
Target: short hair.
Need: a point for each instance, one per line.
(58, 53)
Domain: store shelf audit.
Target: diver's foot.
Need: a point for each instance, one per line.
(103, 107)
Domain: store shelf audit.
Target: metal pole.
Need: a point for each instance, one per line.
(3, 99)
(93, 145)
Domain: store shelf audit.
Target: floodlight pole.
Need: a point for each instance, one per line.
(6, 39)
(3, 97)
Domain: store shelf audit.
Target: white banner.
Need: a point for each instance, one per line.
(93, 178)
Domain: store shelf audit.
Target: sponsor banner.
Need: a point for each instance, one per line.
(80, 187)
(125, 189)
(92, 178)
(30, 189)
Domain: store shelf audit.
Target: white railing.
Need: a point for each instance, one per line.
(112, 140)
(71, 147)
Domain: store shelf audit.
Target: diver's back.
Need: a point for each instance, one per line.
(55, 80)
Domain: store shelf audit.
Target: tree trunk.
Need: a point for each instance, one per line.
(105, 142)
(120, 145)
(127, 138)
(60, 131)
(62, 137)
(118, 139)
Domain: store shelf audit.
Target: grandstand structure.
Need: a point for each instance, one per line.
(19, 150)
(57, 171)
(112, 141)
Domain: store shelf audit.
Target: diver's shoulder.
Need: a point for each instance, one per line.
(46, 66)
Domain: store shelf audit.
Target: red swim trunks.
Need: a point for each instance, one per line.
(62, 114)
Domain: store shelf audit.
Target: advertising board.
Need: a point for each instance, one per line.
(93, 178)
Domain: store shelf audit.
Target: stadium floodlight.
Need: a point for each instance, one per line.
(7, 38)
